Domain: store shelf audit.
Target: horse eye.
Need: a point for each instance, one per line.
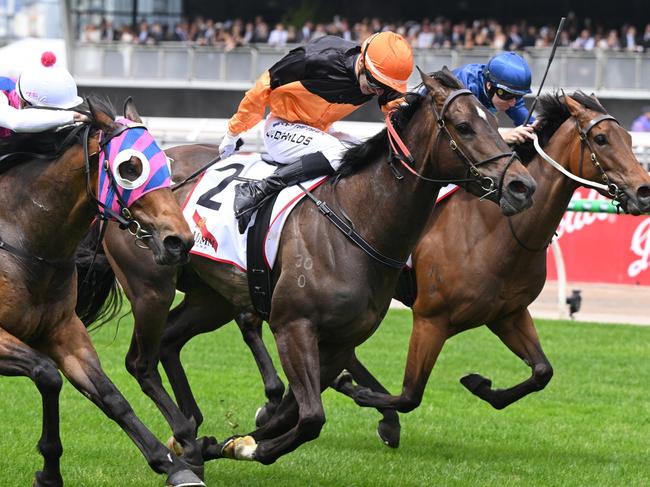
(129, 170)
(600, 139)
(464, 128)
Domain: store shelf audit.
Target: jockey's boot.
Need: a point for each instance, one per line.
(250, 195)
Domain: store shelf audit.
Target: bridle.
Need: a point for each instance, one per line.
(611, 188)
(399, 151)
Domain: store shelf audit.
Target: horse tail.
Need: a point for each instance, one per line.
(99, 299)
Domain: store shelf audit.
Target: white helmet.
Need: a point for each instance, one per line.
(48, 85)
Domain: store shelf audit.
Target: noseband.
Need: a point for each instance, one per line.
(399, 151)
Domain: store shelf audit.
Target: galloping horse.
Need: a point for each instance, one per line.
(49, 195)
(489, 269)
(329, 295)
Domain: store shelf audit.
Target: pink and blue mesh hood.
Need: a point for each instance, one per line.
(138, 142)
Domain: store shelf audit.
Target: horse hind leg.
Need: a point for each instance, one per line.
(18, 359)
(250, 326)
(518, 333)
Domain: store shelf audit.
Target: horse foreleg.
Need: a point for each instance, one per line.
(250, 326)
(142, 361)
(297, 343)
(427, 339)
(518, 333)
(19, 359)
(388, 427)
(70, 347)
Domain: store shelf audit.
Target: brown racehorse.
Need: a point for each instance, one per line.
(329, 295)
(489, 269)
(48, 204)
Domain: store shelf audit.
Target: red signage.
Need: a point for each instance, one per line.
(600, 247)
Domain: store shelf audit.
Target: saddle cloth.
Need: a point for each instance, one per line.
(209, 210)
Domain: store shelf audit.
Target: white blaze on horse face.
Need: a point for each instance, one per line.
(481, 113)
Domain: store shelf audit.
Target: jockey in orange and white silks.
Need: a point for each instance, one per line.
(308, 90)
(45, 85)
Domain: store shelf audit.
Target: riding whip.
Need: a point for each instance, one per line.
(550, 60)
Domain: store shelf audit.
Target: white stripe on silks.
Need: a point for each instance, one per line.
(379, 74)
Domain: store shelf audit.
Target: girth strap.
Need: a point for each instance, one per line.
(351, 233)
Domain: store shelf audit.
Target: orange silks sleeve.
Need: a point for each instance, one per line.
(251, 108)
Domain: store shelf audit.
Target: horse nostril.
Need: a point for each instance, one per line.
(174, 245)
(643, 193)
(518, 187)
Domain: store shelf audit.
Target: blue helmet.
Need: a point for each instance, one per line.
(510, 72)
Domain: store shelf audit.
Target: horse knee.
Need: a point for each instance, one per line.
(48, 379)
(275, 390)
(115, 406)
(542, 374)
(408, 402)
(311, 426)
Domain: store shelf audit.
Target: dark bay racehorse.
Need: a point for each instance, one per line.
(329, 296)
(47, 203)
(489, 269)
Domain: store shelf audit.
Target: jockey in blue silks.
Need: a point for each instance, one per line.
(500, 86)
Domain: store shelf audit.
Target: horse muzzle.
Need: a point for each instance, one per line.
(517, 194)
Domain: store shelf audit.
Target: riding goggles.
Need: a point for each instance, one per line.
(506, 95)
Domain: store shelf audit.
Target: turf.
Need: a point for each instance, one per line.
(590, 426)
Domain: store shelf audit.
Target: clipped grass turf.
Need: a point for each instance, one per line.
(590, 426)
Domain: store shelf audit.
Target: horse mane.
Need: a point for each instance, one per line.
(52, 143)
(553, 112)
(361, 155)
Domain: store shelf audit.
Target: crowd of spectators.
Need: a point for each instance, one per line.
(426, 33)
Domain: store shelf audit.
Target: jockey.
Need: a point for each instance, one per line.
(500, 86)
(308, 90)
(43, 85)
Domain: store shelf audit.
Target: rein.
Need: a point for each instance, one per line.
(398, 150)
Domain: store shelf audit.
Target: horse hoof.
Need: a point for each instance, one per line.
(174, 446)
(263, 414)
(475, 382)
(184, 478)
(42, 480)
(240, 448)
(389, 433)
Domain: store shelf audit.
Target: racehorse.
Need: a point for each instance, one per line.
(491, 268)
(329, 295)
(49, 195)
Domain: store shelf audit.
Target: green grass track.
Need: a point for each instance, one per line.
(589, 427)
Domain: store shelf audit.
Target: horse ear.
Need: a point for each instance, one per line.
(574, 106)
(101, 119)
(434, 86)
(130, 111)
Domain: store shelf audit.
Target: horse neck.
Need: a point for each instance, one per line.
(536, 226)
(390, 213)
(54, 212)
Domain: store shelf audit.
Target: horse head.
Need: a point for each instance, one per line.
(464, 130)
(133, 185)
(605, 154)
